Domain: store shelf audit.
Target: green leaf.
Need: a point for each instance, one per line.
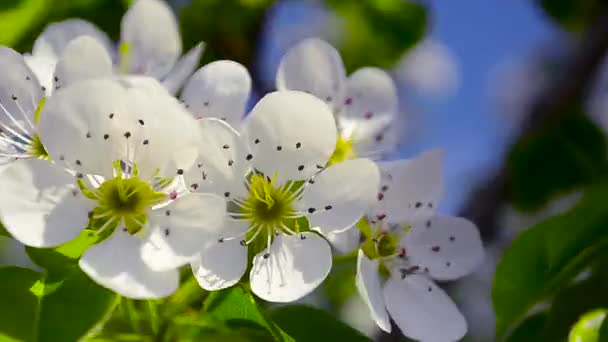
(18, 17)
(572, 308)
(38, 308)
(232, 34)
(305, 323)
(236, 307)
(340, 284)
(399, 23)
(574, 15)
(604, 331)
(565, 155)
(3, 231)
(587, 329)
(546, 256)
(65, 257)
(530, 330)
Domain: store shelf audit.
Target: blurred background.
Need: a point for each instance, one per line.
(514, 91)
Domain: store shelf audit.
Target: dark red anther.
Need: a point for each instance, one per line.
(401, 252)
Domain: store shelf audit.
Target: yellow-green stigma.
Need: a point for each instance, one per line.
(382, 243)
(344, 151)
(125, 56)
(123, 200)
(269, 205)
(37, 149)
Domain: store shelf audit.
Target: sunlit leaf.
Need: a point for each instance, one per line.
(36, 307)
(62, 258)
(546, 256)
(236, 307)
(587, 329)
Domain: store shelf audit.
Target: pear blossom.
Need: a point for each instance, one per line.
(410, 246)
(118, 147)
(365, 103)
(282, 199)
(21, 98)
(150, 45)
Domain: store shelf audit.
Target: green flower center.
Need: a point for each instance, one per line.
(122, 200)
(344, 151)
(36, 148)
(269, 205)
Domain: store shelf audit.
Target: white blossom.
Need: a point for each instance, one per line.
(150, 45)
(117, 146)
(409, 247)
(281, 196)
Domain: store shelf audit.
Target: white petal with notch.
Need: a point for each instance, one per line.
(115, 263)
(294, 267)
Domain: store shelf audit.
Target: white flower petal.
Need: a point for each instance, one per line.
(374, 139)
(340, 195)
(315, 67)
(20, 91)
(222, 163)
(149, 30)
(41, 205)
(220, 90)
(294, 267)
(370, 96)
(76, 128)
(368, 284)
(142, 123)
(184, 67)
(410, 189)
(115, 263)
(44, 68)
(344, 242)
(449, 247)
(422, 310)
(164, 137)
(180, 229)
(56, 37)
(83, 58)
(290, 133)
(220, 264)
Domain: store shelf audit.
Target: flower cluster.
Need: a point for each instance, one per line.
(93, 139)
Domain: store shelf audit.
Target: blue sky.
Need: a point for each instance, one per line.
(468, 125)
(480, 34)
